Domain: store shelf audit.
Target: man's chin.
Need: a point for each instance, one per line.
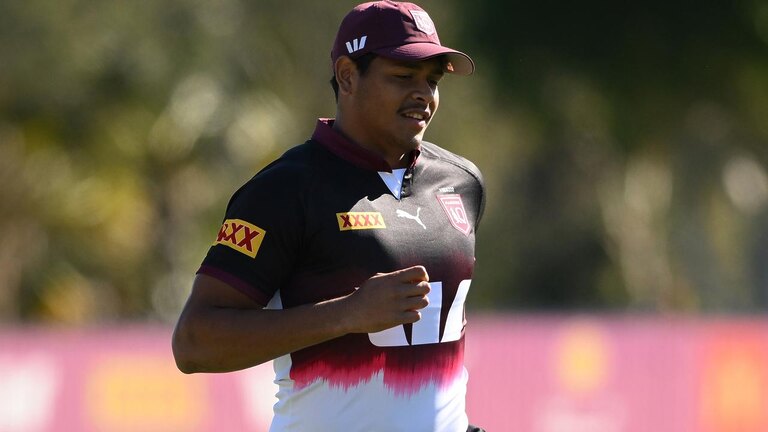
(415, 142)
(408, 144)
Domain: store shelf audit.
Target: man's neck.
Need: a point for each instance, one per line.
(394, 160)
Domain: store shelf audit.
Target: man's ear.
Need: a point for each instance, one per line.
(346, 74)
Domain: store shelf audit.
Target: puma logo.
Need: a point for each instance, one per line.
(405, 214)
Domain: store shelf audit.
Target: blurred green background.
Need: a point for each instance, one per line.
(624, 146)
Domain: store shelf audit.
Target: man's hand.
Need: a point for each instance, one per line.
(387, 299)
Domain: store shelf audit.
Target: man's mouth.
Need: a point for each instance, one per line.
(416, 115)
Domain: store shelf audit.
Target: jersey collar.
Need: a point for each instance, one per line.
(348, 150)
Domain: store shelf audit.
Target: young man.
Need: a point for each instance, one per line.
(348, 259)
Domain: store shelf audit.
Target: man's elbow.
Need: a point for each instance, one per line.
(183, 350)
(186, 366)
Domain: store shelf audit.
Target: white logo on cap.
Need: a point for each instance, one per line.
(356, 45)
(423, 21)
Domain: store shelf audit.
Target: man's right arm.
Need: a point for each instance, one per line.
(221, 329)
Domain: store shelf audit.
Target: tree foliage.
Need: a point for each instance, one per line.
(644, 182)
(624, 146)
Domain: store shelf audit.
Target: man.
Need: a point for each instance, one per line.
(348, 259)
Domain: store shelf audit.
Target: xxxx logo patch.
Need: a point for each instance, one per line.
(240, 236)
(360, 220)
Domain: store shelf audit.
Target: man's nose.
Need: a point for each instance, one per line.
(425, 92)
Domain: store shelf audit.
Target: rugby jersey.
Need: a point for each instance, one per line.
(320, 221)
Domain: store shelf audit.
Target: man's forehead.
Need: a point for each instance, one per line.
(436, 64)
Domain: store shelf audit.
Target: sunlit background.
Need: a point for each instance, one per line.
(622, 263)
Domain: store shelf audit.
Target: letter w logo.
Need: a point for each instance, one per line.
(356, 44)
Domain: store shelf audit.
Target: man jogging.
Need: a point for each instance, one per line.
(347, 261)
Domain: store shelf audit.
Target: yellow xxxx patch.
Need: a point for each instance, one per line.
(241, 236)
(360, 220)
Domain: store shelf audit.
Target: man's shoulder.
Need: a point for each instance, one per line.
(286, 176)
(295, 162)
(435, 152)
(454, 165)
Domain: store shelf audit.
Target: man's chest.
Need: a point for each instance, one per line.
(430, 226)
(357, 231)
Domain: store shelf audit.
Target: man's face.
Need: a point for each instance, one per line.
(394, 103)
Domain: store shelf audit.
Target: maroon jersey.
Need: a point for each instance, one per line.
(320, 221)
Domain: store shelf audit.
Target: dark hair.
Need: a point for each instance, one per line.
(362, 63)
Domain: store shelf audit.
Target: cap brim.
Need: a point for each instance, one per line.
(460, 63)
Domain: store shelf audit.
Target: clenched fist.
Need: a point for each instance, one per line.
(388, 299)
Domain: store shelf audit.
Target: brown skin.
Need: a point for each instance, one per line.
(373, 108)
(221, 329)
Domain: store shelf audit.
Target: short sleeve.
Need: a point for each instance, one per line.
(257, 244)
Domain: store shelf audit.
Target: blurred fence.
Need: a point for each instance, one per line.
(527, 373)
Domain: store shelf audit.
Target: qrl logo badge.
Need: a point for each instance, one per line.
(360, 221)
(454, 208)
(423, 22)
(240, 236)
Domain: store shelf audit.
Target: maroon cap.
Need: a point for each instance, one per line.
(396, 30)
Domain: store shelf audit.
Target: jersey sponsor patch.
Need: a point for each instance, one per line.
(240, 236)
(360, 221)
(454, 208)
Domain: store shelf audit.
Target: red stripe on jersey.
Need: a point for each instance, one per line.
(352, 360)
